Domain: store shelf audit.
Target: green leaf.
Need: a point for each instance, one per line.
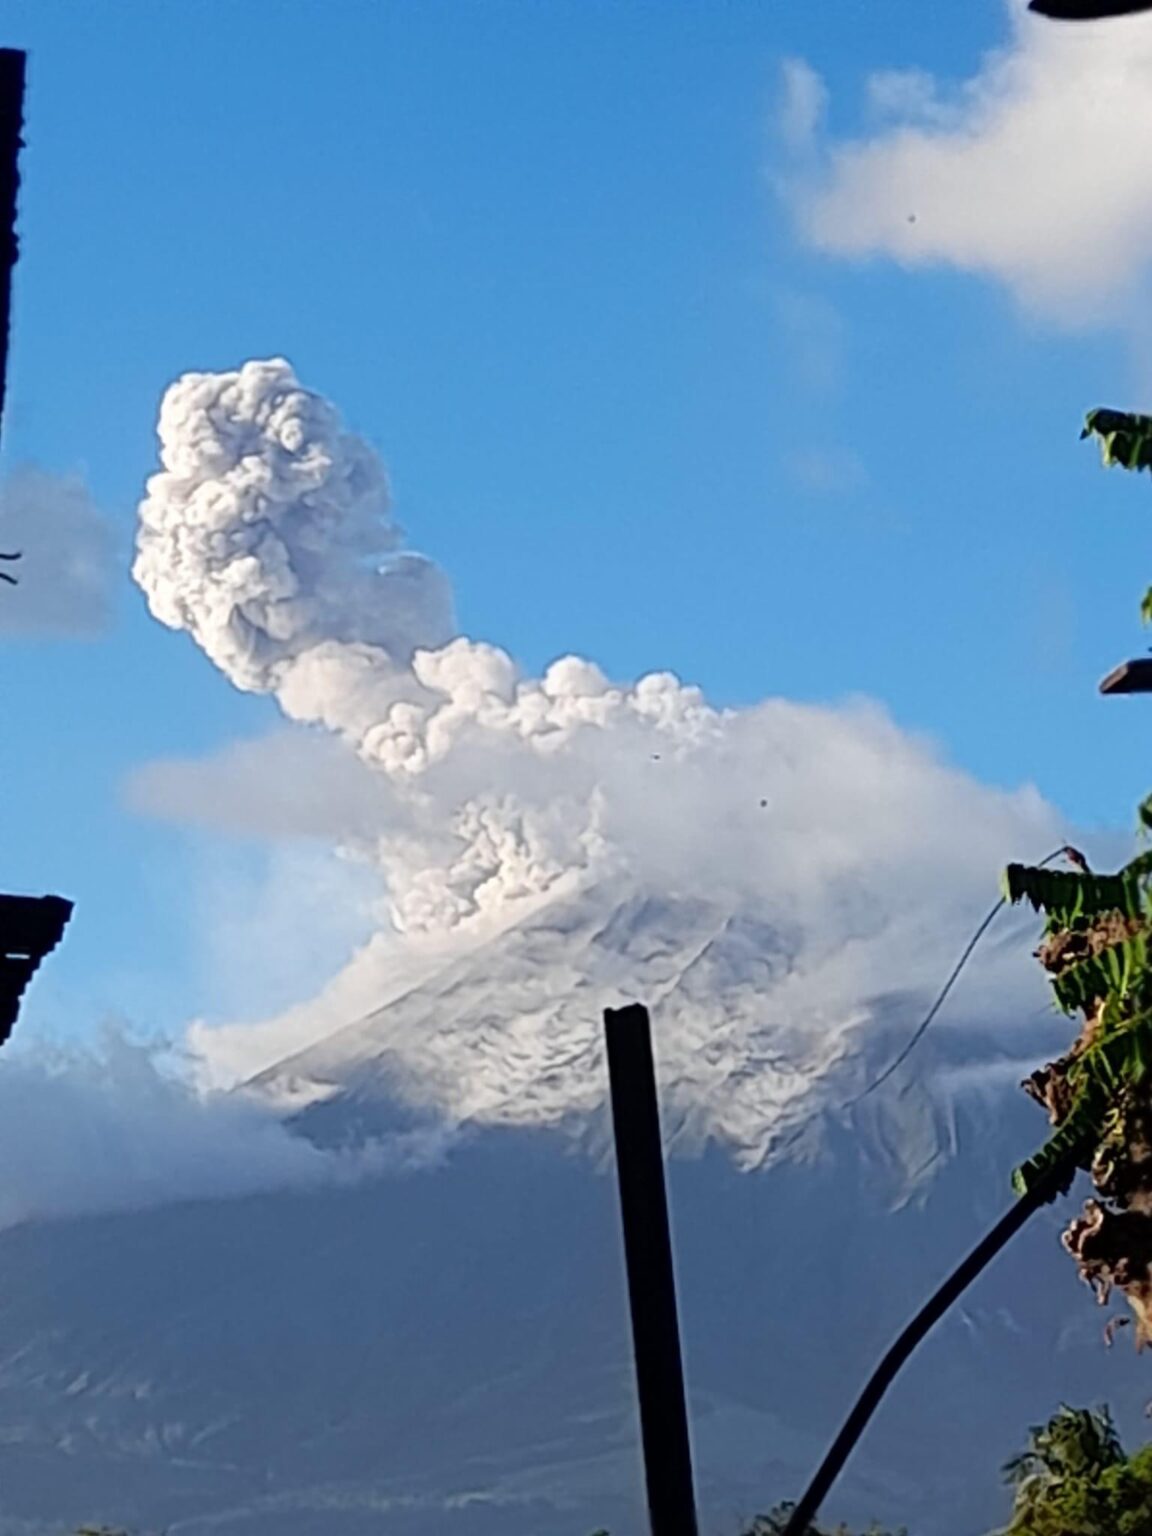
(1068, 894)
(1115, 1063)
(1071, 1145)
(1125, 437)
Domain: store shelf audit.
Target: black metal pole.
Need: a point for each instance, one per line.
(651, 1280)
(11, 122)
(1057, 1181)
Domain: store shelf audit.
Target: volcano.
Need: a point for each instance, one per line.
(443, 1350)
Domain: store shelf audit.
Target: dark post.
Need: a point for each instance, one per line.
(651, 1282)
(11, 123)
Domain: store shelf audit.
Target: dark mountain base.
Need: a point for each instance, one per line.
(447, 1353)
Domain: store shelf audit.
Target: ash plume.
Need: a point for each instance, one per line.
(267, 534)
(488, 795)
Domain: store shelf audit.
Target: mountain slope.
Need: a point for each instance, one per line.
(452, 1347)
(753, 1042)
(445, 1352)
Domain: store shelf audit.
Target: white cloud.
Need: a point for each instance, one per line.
(286, 784)
(67, 557)
(120, 1128)
(1033, 172)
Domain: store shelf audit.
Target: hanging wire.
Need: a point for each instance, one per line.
(1074, 856)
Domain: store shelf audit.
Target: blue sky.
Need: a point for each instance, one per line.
(537, 254)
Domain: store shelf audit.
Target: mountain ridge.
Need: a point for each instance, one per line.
(511, 1033)
(442, 1349)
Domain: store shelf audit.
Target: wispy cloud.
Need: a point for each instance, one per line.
(68, 557)
(814, 341)
(828, 471)
(814, 335)
(803, 103)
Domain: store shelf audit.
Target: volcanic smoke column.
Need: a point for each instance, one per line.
(268, 534)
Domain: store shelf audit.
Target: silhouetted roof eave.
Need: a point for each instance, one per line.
(30, 928)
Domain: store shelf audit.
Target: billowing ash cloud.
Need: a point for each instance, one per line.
(479, 795)
(267, 536)
(67, 557)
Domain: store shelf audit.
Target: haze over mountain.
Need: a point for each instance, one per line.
(445, 1348)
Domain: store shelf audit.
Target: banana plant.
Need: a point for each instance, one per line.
(1096, 951)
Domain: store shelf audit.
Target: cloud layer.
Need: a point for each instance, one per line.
(117, 1129)
(1032, 172)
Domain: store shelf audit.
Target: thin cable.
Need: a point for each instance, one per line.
(1075, 857)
